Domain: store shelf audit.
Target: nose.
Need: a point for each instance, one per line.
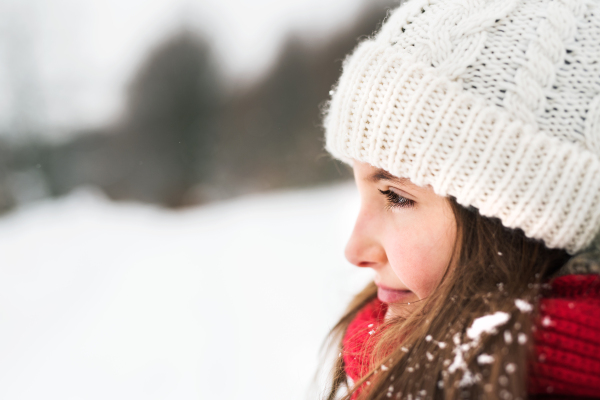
(364, 248)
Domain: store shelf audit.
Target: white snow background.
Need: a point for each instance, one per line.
(102, 300)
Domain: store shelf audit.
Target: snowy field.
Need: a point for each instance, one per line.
(102, 300)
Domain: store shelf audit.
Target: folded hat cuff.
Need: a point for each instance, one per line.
(407, 118)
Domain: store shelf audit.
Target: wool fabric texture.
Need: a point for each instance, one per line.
(566, 360)
(494, 102)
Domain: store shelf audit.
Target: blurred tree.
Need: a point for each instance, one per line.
(7, 199)
(162, 146)
(170, 125)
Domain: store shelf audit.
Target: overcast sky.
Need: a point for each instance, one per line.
(64, 63)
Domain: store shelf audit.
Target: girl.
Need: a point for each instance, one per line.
(473, 127)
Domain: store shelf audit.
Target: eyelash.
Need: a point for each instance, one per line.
(395, 200)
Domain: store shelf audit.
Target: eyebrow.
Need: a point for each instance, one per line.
(382, 175)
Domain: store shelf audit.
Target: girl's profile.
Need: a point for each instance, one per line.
(473, 130)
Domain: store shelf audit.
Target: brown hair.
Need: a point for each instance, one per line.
(493, 266)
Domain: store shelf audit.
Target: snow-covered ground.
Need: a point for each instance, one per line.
(126, 301)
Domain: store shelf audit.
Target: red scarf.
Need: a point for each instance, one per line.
(566, 339)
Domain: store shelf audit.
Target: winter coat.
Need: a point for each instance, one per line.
(566, 362)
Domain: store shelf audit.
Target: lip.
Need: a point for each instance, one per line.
(389, 295)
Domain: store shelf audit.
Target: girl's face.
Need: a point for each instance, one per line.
(406, 233)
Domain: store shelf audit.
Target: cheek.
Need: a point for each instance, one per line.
(420, 255)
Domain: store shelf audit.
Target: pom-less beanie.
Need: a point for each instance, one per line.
(494, 102)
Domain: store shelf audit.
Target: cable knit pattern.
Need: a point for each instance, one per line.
(494, 102)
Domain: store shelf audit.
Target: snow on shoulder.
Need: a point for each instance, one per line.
(487, 324)
(523, 306)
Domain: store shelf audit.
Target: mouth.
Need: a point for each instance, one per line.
(389, 295)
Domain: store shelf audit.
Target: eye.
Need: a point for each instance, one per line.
(395, 200)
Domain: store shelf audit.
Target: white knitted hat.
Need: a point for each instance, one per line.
(494, 102)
